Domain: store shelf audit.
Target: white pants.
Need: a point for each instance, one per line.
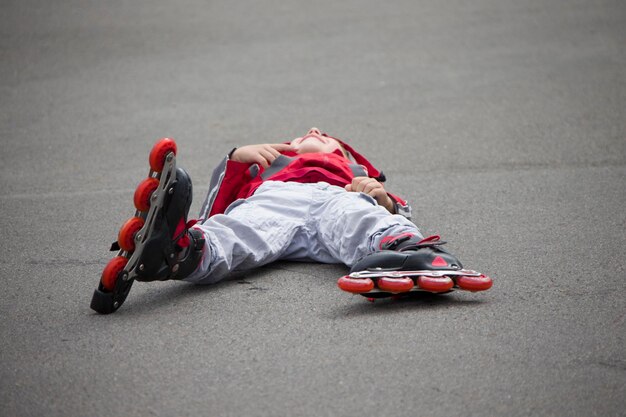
(293, 221)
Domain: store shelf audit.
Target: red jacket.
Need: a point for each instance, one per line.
(233, 180)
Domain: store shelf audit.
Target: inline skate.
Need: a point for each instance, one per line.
(406, 264)
(156, 243)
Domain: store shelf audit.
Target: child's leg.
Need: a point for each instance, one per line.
(293, 221)
(267, 226)
(351, 225)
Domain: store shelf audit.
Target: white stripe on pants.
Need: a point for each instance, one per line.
(293, 221)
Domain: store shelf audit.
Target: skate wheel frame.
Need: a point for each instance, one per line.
(380, 284)
(148, 198)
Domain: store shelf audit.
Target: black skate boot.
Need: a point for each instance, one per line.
(405, 264)
(155, 244)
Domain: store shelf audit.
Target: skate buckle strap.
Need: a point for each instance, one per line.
(392, 242)
(428, 242)
(181, 237)
(431, 240)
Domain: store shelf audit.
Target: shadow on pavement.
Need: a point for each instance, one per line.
(417, 301)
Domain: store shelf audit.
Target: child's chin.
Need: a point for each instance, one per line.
(313, 149)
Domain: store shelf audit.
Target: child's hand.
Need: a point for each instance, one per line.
(374, 189)
(263, 154)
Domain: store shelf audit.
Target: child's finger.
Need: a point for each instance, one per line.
(269, 153)
(261, 161)
(370, 188)
(273, 151)
(365, 185)
(267, 156)
(357, 183)
(282, 146)
(377, 193)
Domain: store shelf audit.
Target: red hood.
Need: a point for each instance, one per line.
(359, 159)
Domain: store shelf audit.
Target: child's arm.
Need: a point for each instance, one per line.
(262, 154)
(233, 173)
(375, 189)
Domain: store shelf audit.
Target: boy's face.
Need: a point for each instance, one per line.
(314, 142)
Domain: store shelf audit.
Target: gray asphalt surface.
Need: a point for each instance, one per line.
(503, 122)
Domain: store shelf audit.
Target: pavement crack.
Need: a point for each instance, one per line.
(616, 364)
(258, 289)
(64, 262)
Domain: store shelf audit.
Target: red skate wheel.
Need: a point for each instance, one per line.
(480, 283)
(112, 271)
(143, 193)
(126, 236)
(395, 284)
(434, 284)
(355, 285)
(159, 152)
